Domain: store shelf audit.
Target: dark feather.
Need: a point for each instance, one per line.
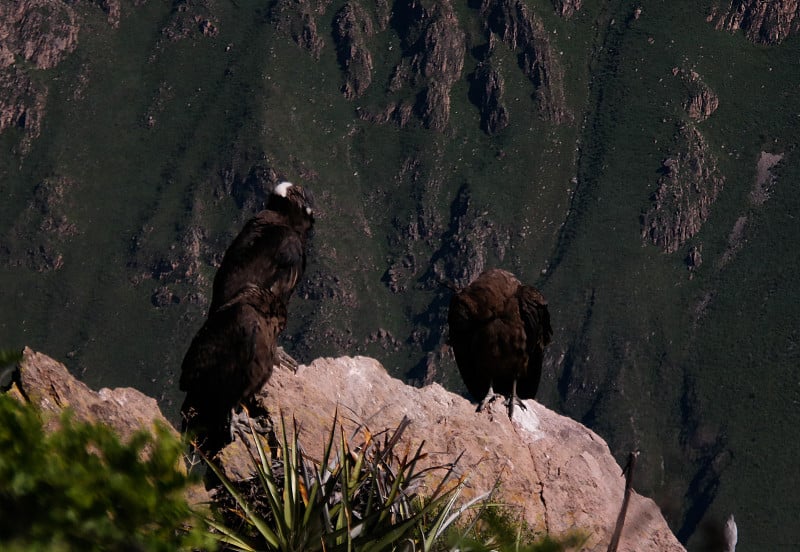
(498, 331)
(270, 251)
(228, 361)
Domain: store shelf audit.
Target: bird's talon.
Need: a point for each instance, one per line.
(490, 397)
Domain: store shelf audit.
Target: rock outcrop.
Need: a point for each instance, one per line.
(433, 46)
(762, 22)
(467, 245)
(487, 88)
(560, 474)
(44, 226)
(39, 31)
(523, 31)
(567, 8)
(298, 20)
(689, 185)
(42, 33)
(765, 178)
(557, 472)
(48, 385)
(352, 27)
(702, 101)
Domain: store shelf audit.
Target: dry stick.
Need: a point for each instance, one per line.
(627, 471)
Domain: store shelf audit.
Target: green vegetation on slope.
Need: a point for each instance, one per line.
(161, 142)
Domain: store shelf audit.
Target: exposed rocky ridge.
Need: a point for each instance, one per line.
(48, 385)
(560, 474)
(689, 185)
(487, 93)
(523, 31)
(39, 31)
(467, 244)
(22, 105)
(439, 62)
(761, 21)
(42, 33)
(113, 10)
(567, 8)
(298, 20)
(45, 223)
(702, 101)
(433, 45)
(431, 251)
(352, 27)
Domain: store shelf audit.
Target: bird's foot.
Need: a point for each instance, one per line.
(511, 402)
(285, 360)
(489, 398)
(241, 423)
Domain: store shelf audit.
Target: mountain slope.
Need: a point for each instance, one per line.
(634, 160)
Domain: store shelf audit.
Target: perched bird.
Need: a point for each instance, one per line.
(498, 331)
(228, 361)
(270, 251)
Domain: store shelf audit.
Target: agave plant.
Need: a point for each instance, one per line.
(366, 497)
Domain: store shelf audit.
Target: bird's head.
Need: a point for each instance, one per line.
(298, 199)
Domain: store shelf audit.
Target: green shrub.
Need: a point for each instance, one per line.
(81, 488)
(498, 528)
(366, 497)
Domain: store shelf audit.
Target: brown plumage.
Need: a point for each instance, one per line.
(229, 360)
(498, 331)
(270, 251)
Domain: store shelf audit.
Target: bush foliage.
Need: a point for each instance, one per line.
(81, 488)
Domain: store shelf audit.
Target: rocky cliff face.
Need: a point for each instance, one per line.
(702, 101)
(39, 32)
(298, 20)
(523, 31)
(42, 32)
(353, 26)
(689, 185)
(487, 90)
(559, 473)
(567, 8)
(47, 384)
(432, 60)
(762, 22)
(46, 223)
